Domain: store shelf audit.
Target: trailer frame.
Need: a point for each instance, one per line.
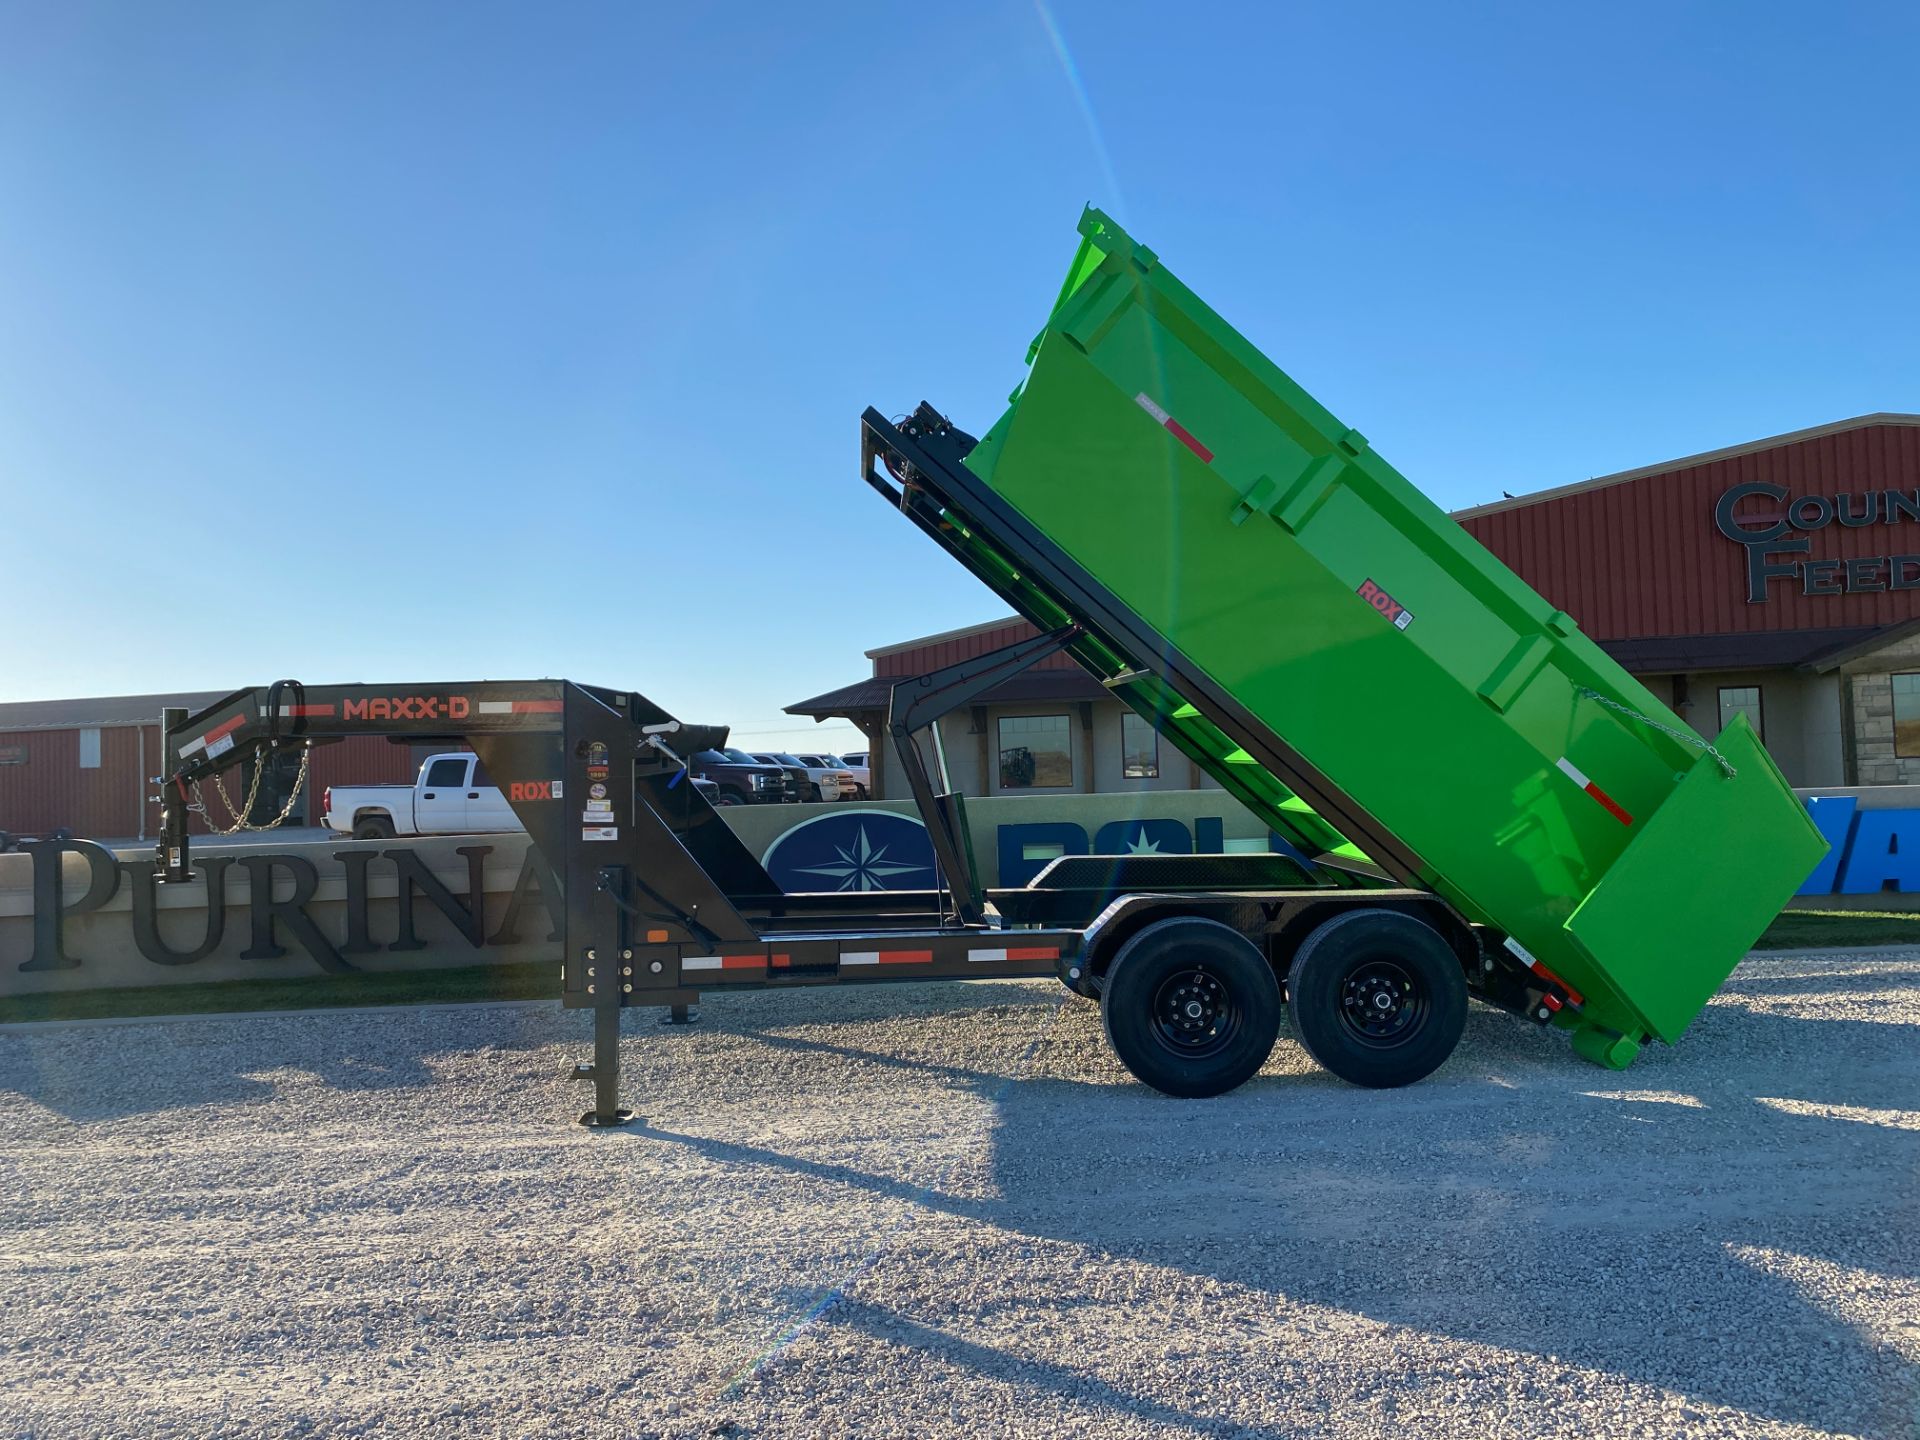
(661, 902)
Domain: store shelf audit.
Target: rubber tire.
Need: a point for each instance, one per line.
(731, 797)
(1320, 968)
(817, 796)
(1136, 974)
(373, 829)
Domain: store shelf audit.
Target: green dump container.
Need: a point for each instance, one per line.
(1375, 681)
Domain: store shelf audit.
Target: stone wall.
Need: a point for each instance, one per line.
(1869, 718)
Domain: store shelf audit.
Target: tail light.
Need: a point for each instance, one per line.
(326, 800)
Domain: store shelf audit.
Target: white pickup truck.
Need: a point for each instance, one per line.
(452, 796)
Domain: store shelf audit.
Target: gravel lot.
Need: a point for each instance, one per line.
(946, 1210)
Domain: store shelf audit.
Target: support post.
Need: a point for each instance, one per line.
(605, 1070)
(917, 702)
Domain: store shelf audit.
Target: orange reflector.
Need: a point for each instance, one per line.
(656, 937)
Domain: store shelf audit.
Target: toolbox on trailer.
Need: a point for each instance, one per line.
(1348, 661)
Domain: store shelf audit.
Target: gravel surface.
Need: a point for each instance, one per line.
(945, 1210)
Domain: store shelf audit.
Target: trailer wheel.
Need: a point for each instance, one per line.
(1191, 1007)
(374, 827)
(1378, 998)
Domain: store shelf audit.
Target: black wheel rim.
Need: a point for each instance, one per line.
(1195, 1013)
(1383, 1004)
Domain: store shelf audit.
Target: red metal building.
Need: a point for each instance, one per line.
(1779, 578)
(86, 766)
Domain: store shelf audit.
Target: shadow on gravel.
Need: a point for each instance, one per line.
(1521, 1199)
(102, 1073)
(1078, 1387)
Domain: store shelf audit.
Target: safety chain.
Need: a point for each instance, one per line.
(1683, 736)
(240, 813)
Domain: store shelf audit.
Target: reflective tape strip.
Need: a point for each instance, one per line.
(1607, 802)
(723, 962)
(886, 957)
(1173, 427)
(296, 711)
(214, 736)
(1019, 954)
(520, 707)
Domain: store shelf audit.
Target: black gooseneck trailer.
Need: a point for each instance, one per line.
(1191, 957)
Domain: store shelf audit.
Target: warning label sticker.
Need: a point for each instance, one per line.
(600, 832)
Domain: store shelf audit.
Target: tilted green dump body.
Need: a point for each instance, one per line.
(1357, 646)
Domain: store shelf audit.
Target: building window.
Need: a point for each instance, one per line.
(1139, 748)
(1906, 716)
(1741, 700)
(1036, 751)
(90, 749)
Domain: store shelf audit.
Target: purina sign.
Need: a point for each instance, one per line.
(73, 915)
(1778, 530)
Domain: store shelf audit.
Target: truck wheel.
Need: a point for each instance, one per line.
(373, 828)
(1378, 998)
(817, 796)
(731, 797)
(1191, 1007)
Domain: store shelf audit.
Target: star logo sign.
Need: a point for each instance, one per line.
(1140, 845)
(862, 865)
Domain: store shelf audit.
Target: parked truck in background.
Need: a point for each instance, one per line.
(856, 777)
(744, 780)
(451, 796)
(824, 781)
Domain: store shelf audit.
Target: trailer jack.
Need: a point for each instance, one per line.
(604, 1071)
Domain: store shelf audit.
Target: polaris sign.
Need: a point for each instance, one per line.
(1868, 851)
(861, 849)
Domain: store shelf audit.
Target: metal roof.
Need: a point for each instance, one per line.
(1646, 558)
(1753, 650)
(100, 711)
(962, 633)
(1034, 687)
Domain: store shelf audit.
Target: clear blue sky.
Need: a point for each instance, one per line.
(357, 341)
